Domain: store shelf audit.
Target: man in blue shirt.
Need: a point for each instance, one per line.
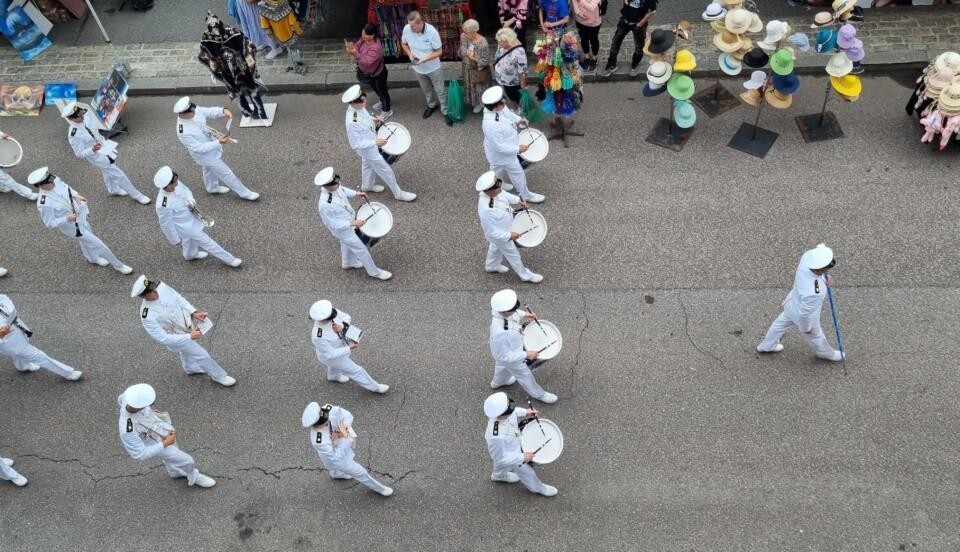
(554, 14)
(421, 43)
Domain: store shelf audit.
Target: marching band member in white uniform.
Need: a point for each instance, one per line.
(84, 137)
(341, 220)
(171, 321)
(61, 207)
(10, 184)
(801, 308)
(15, 343)
(506, 346)
(510, 463)
(334, 351)
(147, 434)
(496, 219)
(501, 142)
(180, 221)
(362, 135)
(206, 150)
(335, 448)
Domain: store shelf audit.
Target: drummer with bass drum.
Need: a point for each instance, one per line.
(494, 207)
(502, 144)
(510, 462)
(11, 153)
(362, 135)
(512, 360)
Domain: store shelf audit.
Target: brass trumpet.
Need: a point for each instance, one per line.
(217, 134)
(207, 222)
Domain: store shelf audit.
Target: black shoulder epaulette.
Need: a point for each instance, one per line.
(491, 203)
(129, 425)
(496, 428)
(355, 116)
(319, 437)
(164, 204)
(180, 128)
(73, 131)
(319, 332)
(144, 313)
(506, 324)
(816, 286)
(496, 117)
(329, 198)
(43, 200)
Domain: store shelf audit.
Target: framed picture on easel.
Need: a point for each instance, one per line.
(109, 100)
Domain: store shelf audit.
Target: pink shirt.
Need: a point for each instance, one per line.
(369, 57)
(587, 12)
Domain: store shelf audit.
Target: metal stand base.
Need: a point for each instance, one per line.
(119, 127)
(715, 100)
(270, 108)
(668, 135)
(813, 130)
(561, 129)
(757, 144)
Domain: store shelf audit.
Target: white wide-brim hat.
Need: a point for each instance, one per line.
(729, 64)
(757, 79)
(659, 72)
(839, 65)
(714, 12)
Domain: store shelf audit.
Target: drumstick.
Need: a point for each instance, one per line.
(535, 417)
(526, 306)
(534, 141)
(551, 344)
(545, 443)
(375, 211)
(393, 130)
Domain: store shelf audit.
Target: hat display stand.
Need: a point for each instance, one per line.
(715, 100)
(558, 67)
(819, 127)
(752, 139)
(665, 132)
(936, 101)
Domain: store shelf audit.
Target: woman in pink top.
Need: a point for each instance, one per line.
(588, 23)
(368, 53)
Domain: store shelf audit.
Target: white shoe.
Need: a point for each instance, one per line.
(533, 279)
(835, 357)
(535, 198)
(198, 256)
(549, 491)
(384, 275)
(121, 193)
(509, 478)
(8, 461)
(3, 272)
(406, 196)
(123, 269)
(252, 196)
(357, 264)
(506, 186)
(548, 398)
(776, 349)
(30, 368)
(237, 261)
(375, 188)
(34, 196)
(74, 376)
(273, 53)
(500, 269)
(340, 379)
(204, 481)
(511, 381)
(386, 492)
(220, 190)
(143, 200)
(101, 262)
(19, 480)
(382, 389)
(225, 381)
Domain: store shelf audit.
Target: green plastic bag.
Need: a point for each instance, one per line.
(529, 107)
(455, 107)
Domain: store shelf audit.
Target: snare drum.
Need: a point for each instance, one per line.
(11, 152)
(538, 147)
(379, 222)
(533, 436)
(532, 227)
(398, 141)
(544, 338)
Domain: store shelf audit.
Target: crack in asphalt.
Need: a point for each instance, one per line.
(686, 332)
(403, 401)
(276, 473)
(576, 357)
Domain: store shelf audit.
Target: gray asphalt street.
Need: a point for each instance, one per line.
(662, 270)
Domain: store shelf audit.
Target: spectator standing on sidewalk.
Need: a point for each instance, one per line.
(634, 16)
(421, 42)
(475, 53)
(371, 70)
(510, 64)
(554, 14)
(513, 15)
(588, 19)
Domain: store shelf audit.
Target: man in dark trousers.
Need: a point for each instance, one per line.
(634, 16)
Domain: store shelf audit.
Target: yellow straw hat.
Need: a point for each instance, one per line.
(847, 85)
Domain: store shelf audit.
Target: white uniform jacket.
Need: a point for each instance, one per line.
(496, 215)
(82, 137)
(361, 131)
(138, 442)
(503, 441)
(501, 141)
(506, 341)
(339, 456)
(167, 319)
(54, 206)
(336, 212)
(15, 341)
(201, 146)
(177, 221)
(327, 343)
(803, 303)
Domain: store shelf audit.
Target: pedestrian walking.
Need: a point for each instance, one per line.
(510, 463)
(371, 69)
(421, 42)
(634, 16)
(333, 344)
(15, 343)
(506, 345)
(475, 54)
(494, 207)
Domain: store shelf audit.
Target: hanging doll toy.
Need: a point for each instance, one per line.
(231, 59)
(279, 21)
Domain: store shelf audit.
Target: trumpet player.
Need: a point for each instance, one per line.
(147, 434)
(181, 222)
(495, 210)
(341, 220)
(172, 321)
(207, 150)
(333, 348)
(506, 346)
(510, 462)
(84, 137)
(331, 435)
(10, 184)
(61, 207)
(501, 142)
(15, 343)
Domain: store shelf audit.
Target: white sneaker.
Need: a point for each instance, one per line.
(533, 279)
(34, 196)
(198, 256)
(19, 480)
(357, 264)
(776, 349)
(121, 193)
(237, 261)
(375, 188)
(535, 198)
(509, 478)
(406, 196)
(511, 381)
(506, 186)
(549, 491)
(204, 481)
(8, 461)
(340, 379)
(384, 275)
(3, 272)
(101, 262)
(381, 388)
(500, 269)
(548, 398)
(273, 53)
(835, 357)
(220, 190)
(143, 200)
(32, 367)
(386, 492)
(123, 269)
(252, 196)
(74, 376)
(225, 381)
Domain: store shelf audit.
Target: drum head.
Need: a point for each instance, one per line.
(10, 152)
(537, 336)
(532, 438)
(379, 219)
(539, 147)
(532, 225)
(397, 137)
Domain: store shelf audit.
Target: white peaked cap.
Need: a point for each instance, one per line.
(321, 310)
(496, 404)
(486, 181)
(182, 105)
(817, 258)
(504, 300)
(311, 414)
(139, 286)
(140, 395)
(324, 177)
(38, 176)
(492, 95)
(68, 109)
(163, 177)
(351, 94)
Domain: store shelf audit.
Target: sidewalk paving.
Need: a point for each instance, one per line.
(892, 37)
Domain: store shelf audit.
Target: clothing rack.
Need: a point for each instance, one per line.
(390, 16)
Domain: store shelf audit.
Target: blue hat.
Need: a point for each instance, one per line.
(651, 92)
(826, 41)
(684, 114)
(787, 84)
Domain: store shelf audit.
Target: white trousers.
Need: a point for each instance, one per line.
(376, 165)
(499, 250)
(7, 473)
(8, 184)
(215, 172)
(179, 463)
(31, 355)
(527, 476)
(117, 181)
(352, 249)
(93, 247)
(191, 247)
(513, 173)
(359, 474)
(816, 339)
(347, 367)
(519, 370)
(196, 360)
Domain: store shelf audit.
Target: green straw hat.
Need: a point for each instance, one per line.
(782, 62)
(680, 86)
